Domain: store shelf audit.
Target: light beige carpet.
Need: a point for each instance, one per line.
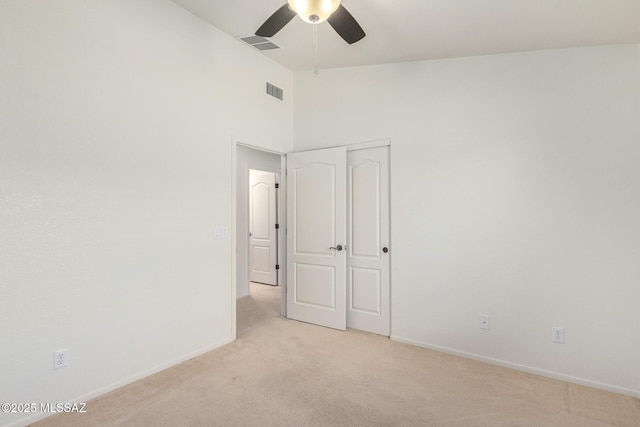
(285, 373)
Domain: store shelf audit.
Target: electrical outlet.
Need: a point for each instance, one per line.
(60, 359)
(557, 335)
(484, 321)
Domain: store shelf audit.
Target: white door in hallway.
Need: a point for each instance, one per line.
(368, 272)
(262, 228)
(316, 237)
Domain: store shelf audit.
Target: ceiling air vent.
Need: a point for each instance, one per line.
(275, 91)
(260, 43)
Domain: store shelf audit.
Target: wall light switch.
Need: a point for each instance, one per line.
(221, 233)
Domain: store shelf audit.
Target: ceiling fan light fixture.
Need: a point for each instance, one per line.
(314, 11)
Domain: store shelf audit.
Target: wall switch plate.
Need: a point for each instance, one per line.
(60, 359)
(221, 233)
(557, 335)
(484, 321)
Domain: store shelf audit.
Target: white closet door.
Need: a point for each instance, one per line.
(316, 237)
(368, 276)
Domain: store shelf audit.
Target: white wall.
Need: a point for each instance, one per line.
(117, 121)
(515, 193)
(247, 158)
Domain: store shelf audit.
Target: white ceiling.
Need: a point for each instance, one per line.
(410, 30)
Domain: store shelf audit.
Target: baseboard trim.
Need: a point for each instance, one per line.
(113, 386)
(518, 367)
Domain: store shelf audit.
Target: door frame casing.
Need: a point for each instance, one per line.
(353, 147)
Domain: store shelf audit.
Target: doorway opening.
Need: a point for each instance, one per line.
(260, 257)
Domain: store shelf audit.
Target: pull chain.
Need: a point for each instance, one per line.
(315, 45)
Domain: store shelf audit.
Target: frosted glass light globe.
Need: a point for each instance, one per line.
(314, 11)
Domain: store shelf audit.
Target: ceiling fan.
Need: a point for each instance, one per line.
(314, 12)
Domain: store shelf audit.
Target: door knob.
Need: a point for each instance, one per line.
(337, 248)
(385, 249)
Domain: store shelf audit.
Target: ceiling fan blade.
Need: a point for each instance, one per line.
(276, 22)
(346, 25)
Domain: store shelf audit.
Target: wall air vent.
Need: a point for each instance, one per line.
(275, 91)
(260, 43)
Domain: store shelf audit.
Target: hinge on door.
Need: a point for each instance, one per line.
(277, 185)
(277, 226)
(277, 266)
